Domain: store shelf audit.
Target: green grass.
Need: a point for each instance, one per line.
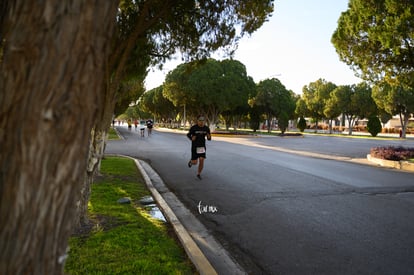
(112, 134)
(124, 238)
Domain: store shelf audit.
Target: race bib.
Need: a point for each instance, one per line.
(200, 150)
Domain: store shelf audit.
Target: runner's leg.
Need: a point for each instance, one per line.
(200, 165)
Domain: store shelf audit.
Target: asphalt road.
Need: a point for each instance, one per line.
(326, 212)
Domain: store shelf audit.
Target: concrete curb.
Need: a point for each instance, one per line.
(213, 251)
(401, 165)
(118, 133)
(195, 254)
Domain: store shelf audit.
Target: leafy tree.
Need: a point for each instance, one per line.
(190, 85)
(375, 39)
(239, 88)
(283, 121)
(273, 98)
(342, 98)
(255, 117)
(315, 96)
(302, 124)
(61, 88)
(148, 33)
(53, 87)
(295, 98)
(374, 126)
(395, 100)
(331, 111)
(383, 115)
(363, 93)
(127, 92)
(301, 109)
(210, 87)
(354, 101)
(155, 103)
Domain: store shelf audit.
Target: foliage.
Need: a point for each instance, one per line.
(302, 124)
(209, 86)
(392, 153)
(127, 92)
(112, 134)
(375, 39)
(301, 110)
(239, 88)
(124, 238)
(354, 101)
(272, 99)
(395, 99)
(315, 97)
(154, 102)
(374, 126)
(383, 115)
(157, 29)
(283, 121)
(150, 32)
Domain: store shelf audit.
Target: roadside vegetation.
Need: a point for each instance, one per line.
(112, 134)
(393, 153)
(124, 238)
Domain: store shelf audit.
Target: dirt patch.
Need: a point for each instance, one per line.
(98, 222)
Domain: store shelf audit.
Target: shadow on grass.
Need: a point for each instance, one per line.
(124, 238)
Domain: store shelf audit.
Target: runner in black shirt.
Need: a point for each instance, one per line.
(197, 135)
(150, 124)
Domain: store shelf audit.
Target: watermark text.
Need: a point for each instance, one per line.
(206, 208)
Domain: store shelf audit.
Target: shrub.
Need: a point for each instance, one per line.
(392, 153)
(283, 122)
(302, 124)
(374, 126)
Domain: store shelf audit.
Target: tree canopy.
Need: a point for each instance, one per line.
(273, 100)
(60, 88)
(376, 39)
(354, 101)
(154, 102)
(210, 87)
(395, 100)
(315, 97)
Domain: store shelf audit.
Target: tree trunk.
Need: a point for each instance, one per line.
(269, 125)
(51, 77)
(330, 126)
(350, 124)
(96, 150)
(404, 117)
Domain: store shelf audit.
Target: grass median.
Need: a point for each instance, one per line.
(124, 238)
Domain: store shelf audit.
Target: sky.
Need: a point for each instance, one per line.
(293, 46)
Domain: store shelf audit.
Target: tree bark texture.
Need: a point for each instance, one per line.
(51, 79)
(97, 145)
(95, 155)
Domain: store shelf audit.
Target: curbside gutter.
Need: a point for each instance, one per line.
(401, 165)
(195, 254)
